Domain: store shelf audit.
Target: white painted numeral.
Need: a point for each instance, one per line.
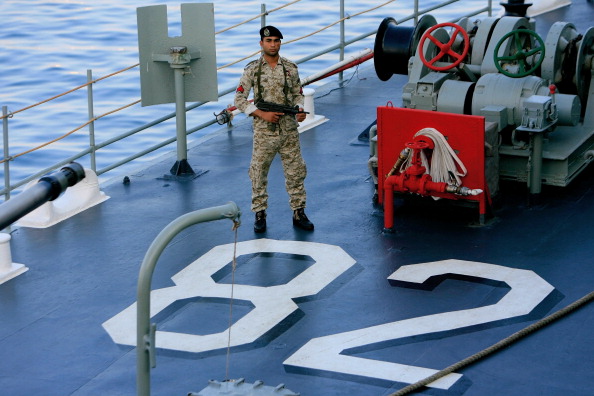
(325, 354)
(329, 353)
(271, 304)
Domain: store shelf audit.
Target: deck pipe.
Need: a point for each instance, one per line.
(46, 189)
(145, 331)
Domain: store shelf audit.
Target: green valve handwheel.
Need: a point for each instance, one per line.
(521, 51)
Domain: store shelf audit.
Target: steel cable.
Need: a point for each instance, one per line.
(233, 267)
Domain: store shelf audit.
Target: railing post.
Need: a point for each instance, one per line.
(263, 17)
(490, 2)
(6, 153)
(341, 57)
(91, 118)
(416, 12)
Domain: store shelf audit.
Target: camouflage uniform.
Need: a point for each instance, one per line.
(279, 85)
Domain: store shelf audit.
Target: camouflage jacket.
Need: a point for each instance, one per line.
(279, 85)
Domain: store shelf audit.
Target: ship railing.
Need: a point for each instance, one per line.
(93, 147)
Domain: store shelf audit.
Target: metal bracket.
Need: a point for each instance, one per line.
(149, 345)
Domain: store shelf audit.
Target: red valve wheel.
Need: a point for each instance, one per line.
(445, 49)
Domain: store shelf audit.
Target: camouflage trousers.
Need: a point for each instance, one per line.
(284, 141)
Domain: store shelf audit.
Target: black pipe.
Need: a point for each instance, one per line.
(47, 188)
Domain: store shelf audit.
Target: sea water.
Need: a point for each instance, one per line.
(46, 48)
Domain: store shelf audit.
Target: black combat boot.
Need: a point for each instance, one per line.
(300, 220)
(260, 223)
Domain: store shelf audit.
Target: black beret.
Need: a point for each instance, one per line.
(268, 31)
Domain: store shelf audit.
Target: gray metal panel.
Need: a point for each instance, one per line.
(564, 157)
(198, 35)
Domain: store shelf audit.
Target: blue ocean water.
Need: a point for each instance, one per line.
(46, 47)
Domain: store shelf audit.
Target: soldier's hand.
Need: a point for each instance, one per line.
(269, 116)
(301, 116)
(274, 117)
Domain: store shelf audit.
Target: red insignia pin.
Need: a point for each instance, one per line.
(240, 89)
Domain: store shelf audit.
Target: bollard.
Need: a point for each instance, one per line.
(308, 104)
(311, 120)
(8, 269)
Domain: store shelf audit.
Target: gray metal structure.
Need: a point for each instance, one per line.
(240, 387)
(159, 54)
(543, 116)
(177, 69)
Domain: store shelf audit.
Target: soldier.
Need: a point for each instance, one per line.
(274, 79)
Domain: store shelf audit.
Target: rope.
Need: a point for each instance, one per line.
(233, 266)
(258, 16)
(12, 113)
(338, 21)
(239, 60)
(445, 164)
(497, 346)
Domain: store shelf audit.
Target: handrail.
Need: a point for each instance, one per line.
(78, 128)
(92, 149)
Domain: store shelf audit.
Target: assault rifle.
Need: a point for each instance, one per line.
(278, 108)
